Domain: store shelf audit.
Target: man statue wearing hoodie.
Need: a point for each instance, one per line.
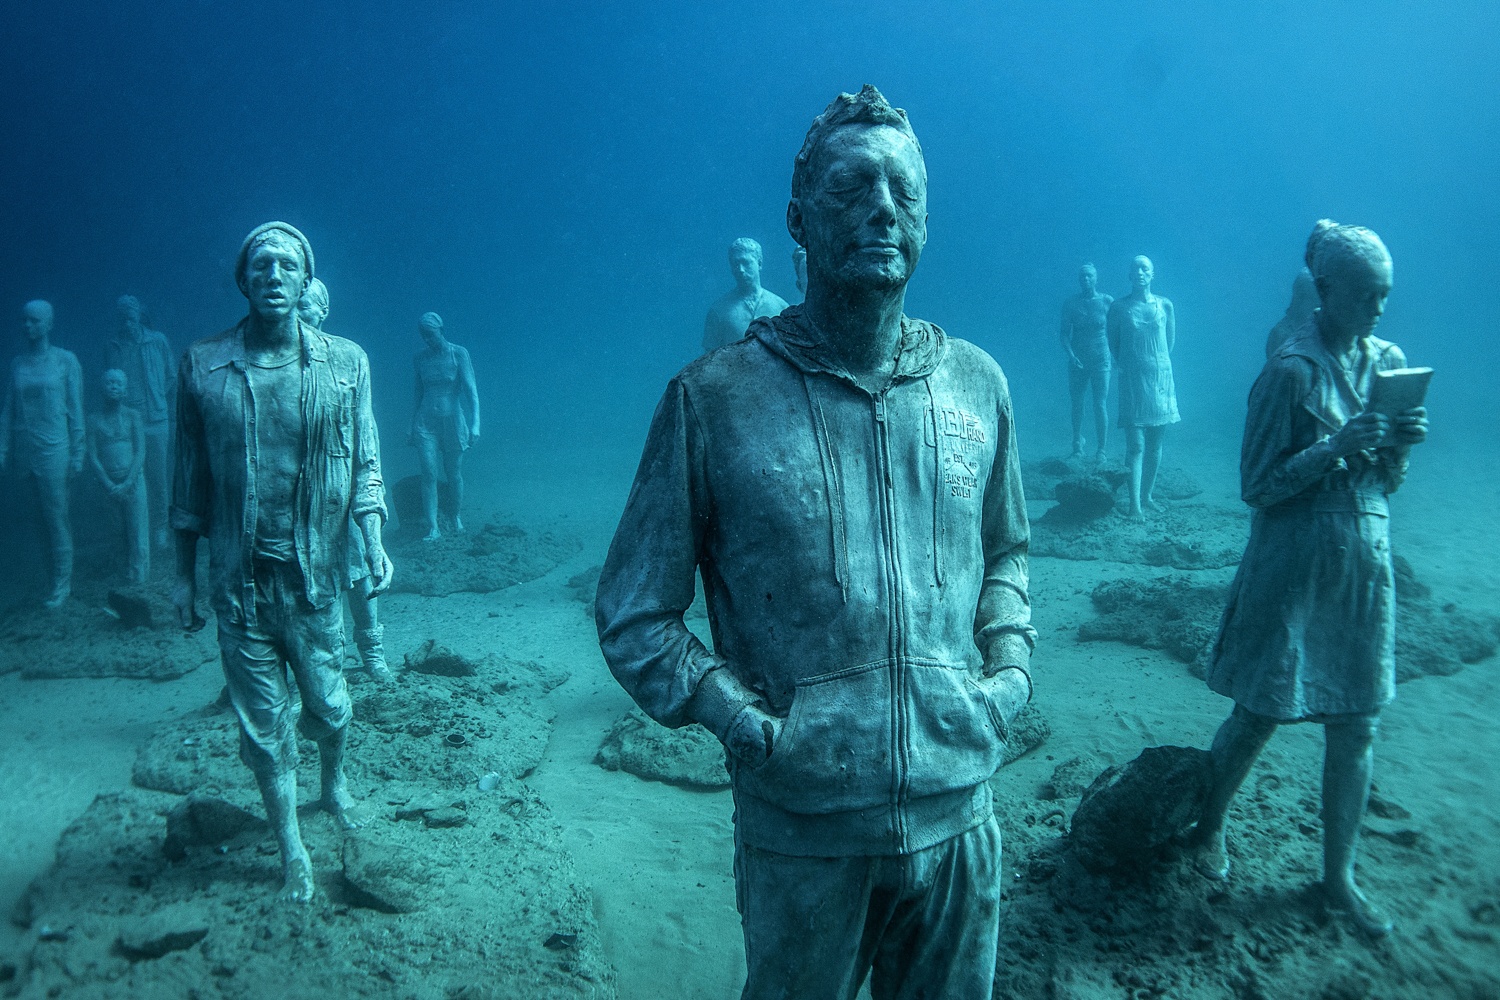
(847, 483)
(276, 452)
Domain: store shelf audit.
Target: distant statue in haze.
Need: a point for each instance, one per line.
(42, 434)
(151, 386)
(1142, 330)
(364, 606)
(799, 267)
(730, 317)
(276, 451)
(444, 421)
(1087, 349)
(1304, 301)
(1308, 632)
(117, 455)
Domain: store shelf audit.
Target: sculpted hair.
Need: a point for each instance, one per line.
(868, 107)
(1332, 247)
(317, 293)
(746, 245)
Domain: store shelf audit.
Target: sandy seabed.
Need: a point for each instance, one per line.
(656, 859)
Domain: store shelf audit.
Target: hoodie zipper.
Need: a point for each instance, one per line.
(900, 765)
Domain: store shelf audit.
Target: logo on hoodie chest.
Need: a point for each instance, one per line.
(960, 436)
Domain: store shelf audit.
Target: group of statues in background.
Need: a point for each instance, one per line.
(1133, 336)
(46, 438)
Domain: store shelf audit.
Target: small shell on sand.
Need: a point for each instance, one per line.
(489, 782)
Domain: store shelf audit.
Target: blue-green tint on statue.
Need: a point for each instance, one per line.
(846, 480)
(747, 301)
(276, 451)
(1309, 630)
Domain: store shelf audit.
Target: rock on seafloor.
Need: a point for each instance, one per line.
(1133, 810)
(690, 756)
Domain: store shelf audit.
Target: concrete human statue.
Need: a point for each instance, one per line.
(846, 481)
(1304, 301)
(444, 421)
(42, 435)
(364, 605)
(117, 456)
(731, 315)
(151, 379)
(1142, 331)
(1308, 631)
(799, 268)
(1087, 348)
(276, 451)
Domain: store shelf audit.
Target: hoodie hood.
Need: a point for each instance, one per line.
(791, 337)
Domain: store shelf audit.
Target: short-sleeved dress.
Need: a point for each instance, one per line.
(1143, 363)
(441, 416)
(1309, 629)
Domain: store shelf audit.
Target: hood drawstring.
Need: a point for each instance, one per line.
(939, 489)
(833, 490)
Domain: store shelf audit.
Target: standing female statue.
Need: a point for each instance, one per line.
(42, 434)
(1142, 330)
(444, 421)
(1309, 631)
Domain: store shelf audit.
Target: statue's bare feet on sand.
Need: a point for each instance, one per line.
(432, 535)
(338, 803)
(1211, 858)
(1348, 902)
(298, 887)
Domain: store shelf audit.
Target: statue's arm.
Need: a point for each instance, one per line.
(367, 503)
(648, 579)
(1272, 466)
(1171, 312)
(138, 447)
(192, 485)
(1002, 621)
(417, 392)
(7, 418)
(470, 389)
(73, 387)
(169, 367)
(91, 453)
(1112, 322)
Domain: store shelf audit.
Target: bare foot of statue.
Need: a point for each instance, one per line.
(458, 525)
(338, 803)
(1211, 858)
(1348, 902)
(432, 535)
(1100, 457)
(1136, 514)
(58, 597)
(298, 887)
(1153, 505)
(1077, 451)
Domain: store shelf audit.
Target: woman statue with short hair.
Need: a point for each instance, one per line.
(445, 420)
(1309, 631)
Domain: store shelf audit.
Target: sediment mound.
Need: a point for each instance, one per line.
(493, 558)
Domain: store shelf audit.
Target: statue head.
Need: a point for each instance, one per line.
(1088, 279)
(312, 308)
(859, 195)
(430, 326)
(128, 308)
(1353, 273)
(1304, 295)
(274, 266)
(113, 383)
(1142, 271)
(36, 319)
(799, 267)
(745, 259)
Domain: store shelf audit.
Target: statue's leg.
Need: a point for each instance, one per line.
(427, 456)
(137, 532)
(1236, 745)
(315, 647)
(453, 468)
(158, 467)
(1348, 761)
(1150, 463)
(368, 632)
(1134, 443)
(52, 489)
(1101, 411)
(255, 679)
(1078, 383)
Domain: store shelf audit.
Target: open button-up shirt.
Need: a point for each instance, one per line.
(214, 487)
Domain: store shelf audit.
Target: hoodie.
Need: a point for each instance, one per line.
(863, 559)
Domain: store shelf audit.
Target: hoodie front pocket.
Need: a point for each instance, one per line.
(835, 751)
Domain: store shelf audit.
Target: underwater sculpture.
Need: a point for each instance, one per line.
(1308, 632)
(444, 420)
(799, 268)
(276, 451)
(732, 314)
(364, 605)
(42, 434)
(865, 572)
(117, 454)
(1142, 330)
(1304, 301)
(1087, 348)
(151, 390)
